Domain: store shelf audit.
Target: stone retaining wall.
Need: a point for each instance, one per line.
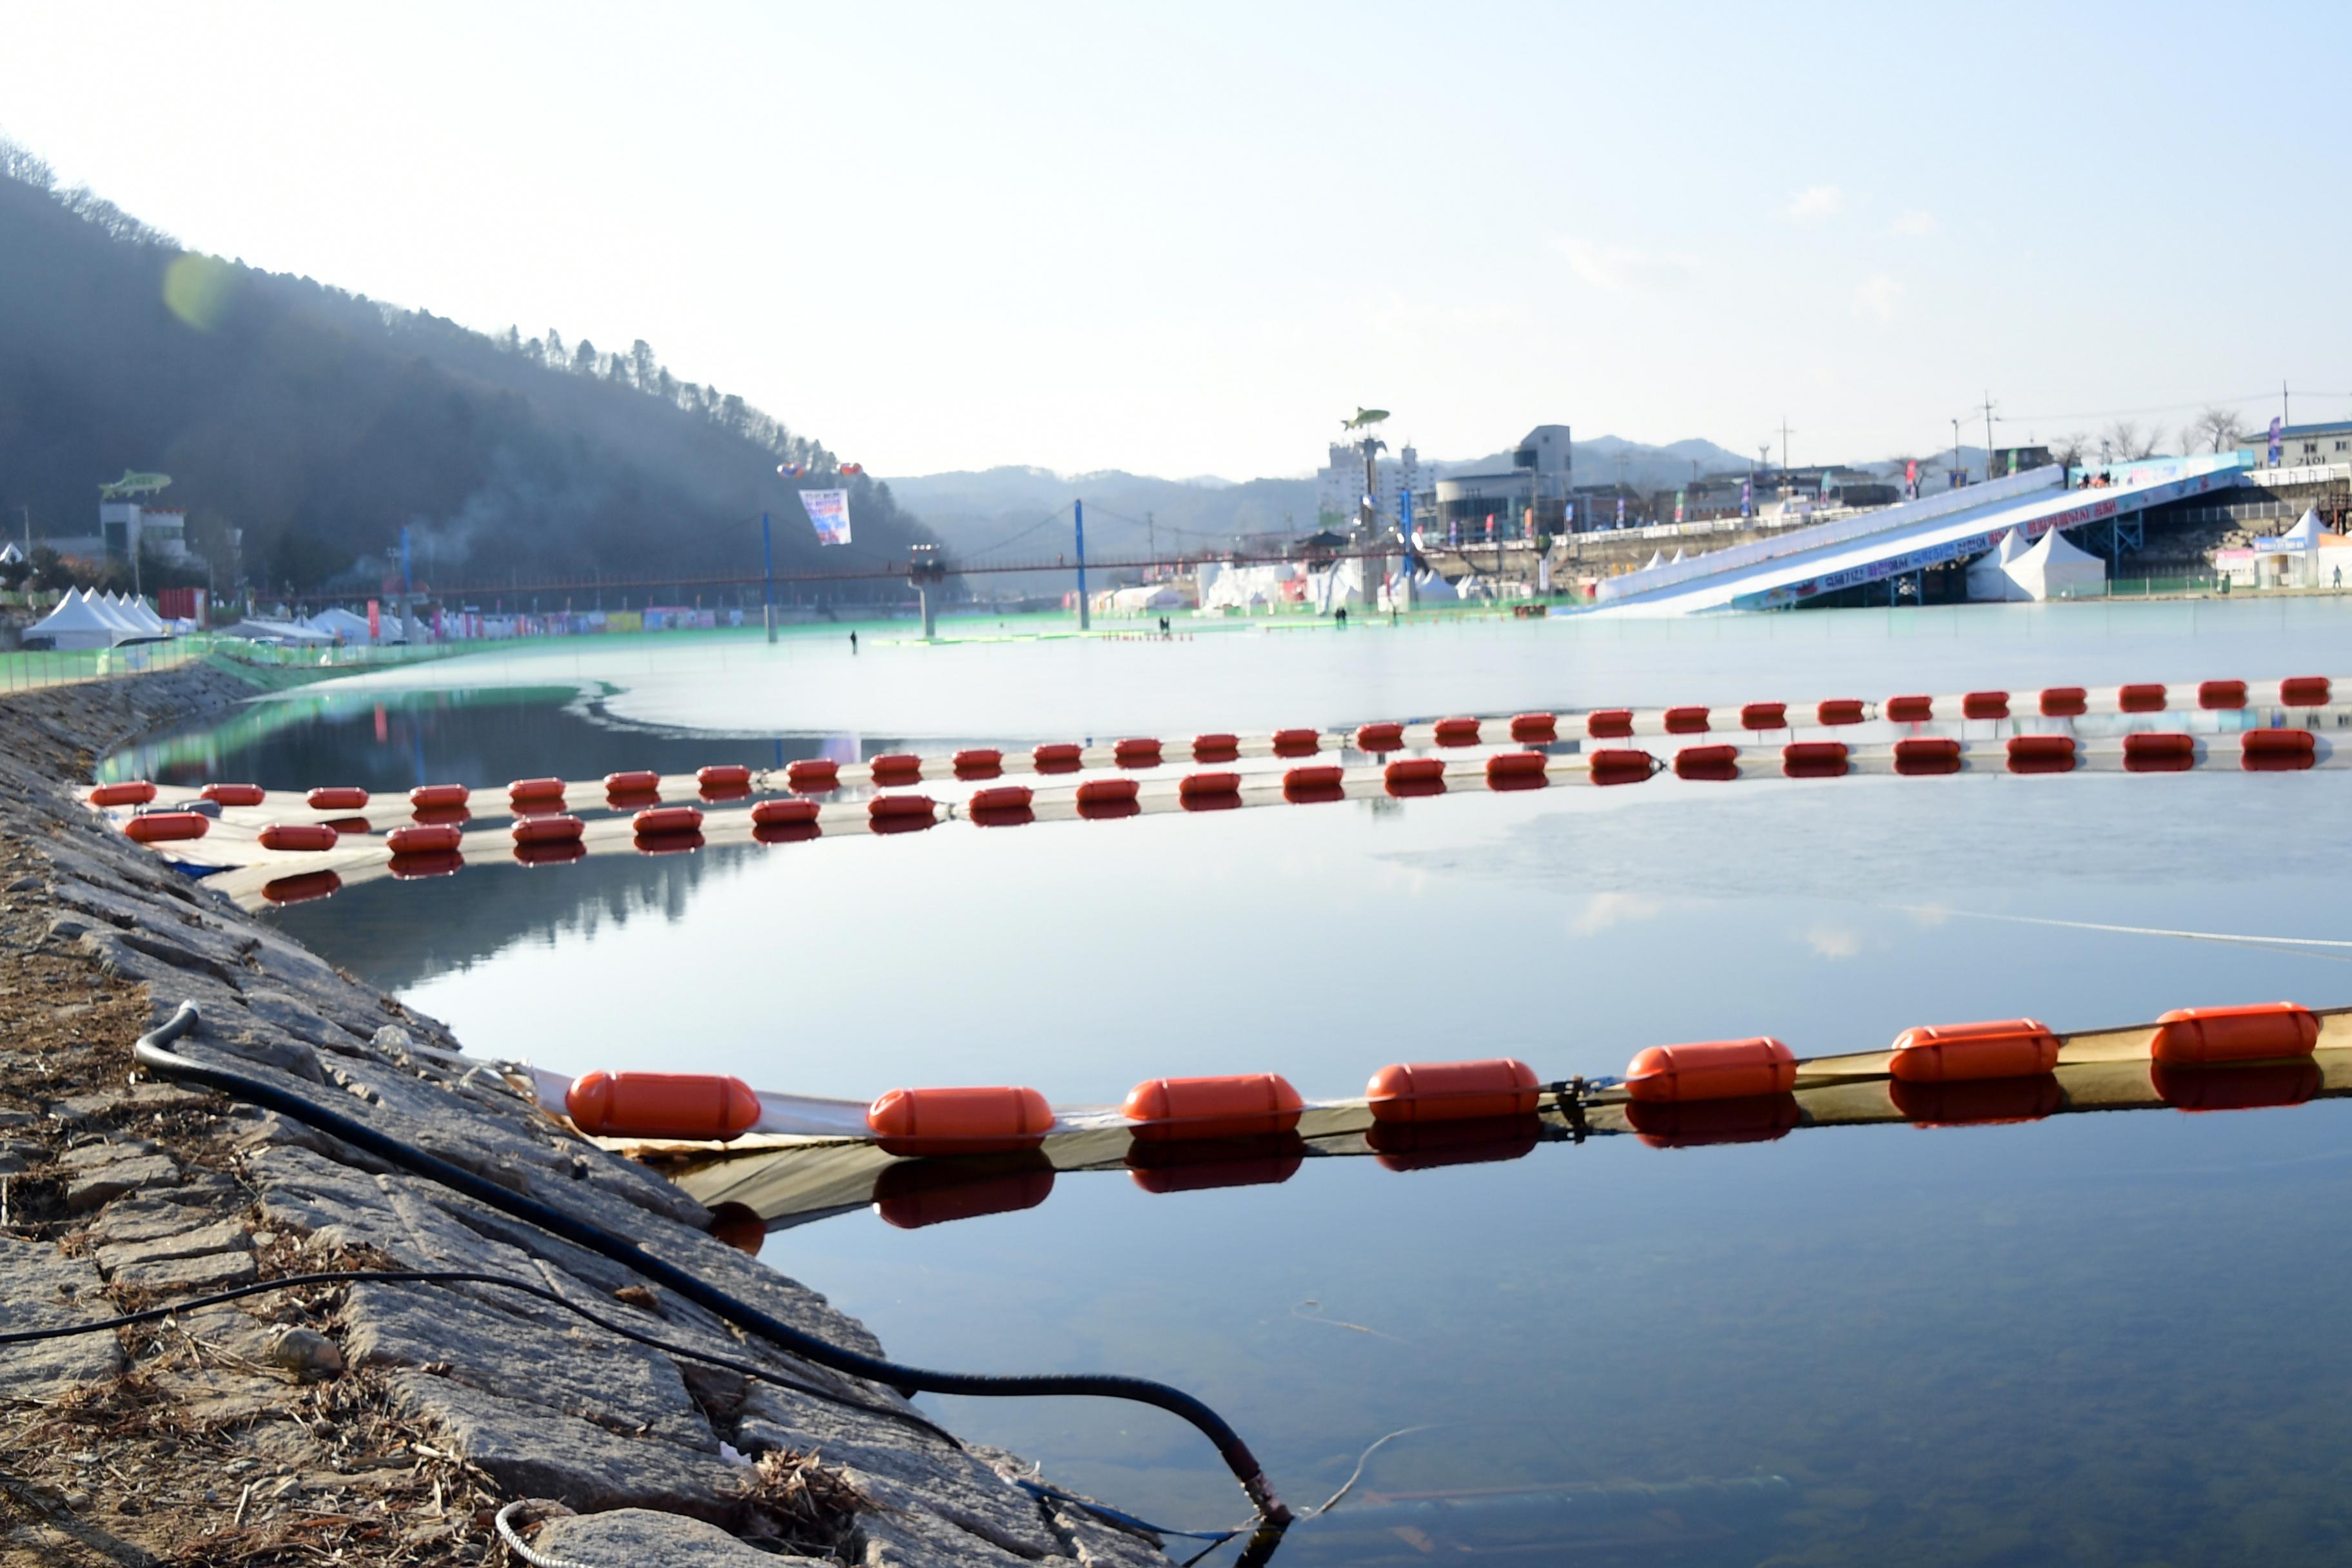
(372, 1422)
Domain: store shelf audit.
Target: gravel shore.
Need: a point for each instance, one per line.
(373, 1423)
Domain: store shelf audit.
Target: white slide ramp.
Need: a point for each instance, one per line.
(1774, 573)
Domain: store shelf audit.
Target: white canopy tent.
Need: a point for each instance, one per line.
(2054, 569)
(74, 624)
(1988, 578)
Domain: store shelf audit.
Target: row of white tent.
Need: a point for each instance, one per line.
(2051, 568)
(83, 620)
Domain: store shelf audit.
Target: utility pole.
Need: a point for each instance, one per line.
(1078, 510)
(1988, 413)
(768, 569)
(1784, 445)
(1150, 539)
(2285, 418)
(1956, 452)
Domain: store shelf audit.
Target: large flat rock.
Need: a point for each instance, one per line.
(640, 1535)
(41, 1288)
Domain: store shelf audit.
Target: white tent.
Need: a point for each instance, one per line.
(10, 556)
(2302, 536)
(2054, 569)
(1988, 578)
(288, 632)
(1679, 557)
(74, 624)
(144, 618)
(112, 608)
(1657, 558)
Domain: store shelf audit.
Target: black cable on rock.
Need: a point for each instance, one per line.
(154, 1054)
(466, 1276)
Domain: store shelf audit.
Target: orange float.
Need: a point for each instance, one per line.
(1985, 705)
(2303, 692)
(987, 1120)
(896, 768)
(2157, 751)
(1685, 721)
(2064, 702)
(1535, 728)
(682, 1105)
(1813, 759)
(1002, 798)
(1949, 1053)
(639, 781)
(666, 819)
(2041, 754)
(130, 792)
(1914, 710)
(1453, 1091)
(233, 793)
(1136, 752)
(1238, 1106)
(336, 797)
(784, 813)
(1107, 792)
(900, 808)
(2194, 1036)
(298, 835)
(980, 763)
(302, 888)
(1620, 765)
(547, 830)
(1386, 736)
(1920, 754)
(1839, 711)
(1193, 785)
(1712, 764)
(1298, 742)
(1764, 716)
(1314, 781)
(813, 776)
(438, 797)
(166, 826)
(1415, 771)
(2221, 694)
(422, 840)
(723, 776)
(2277, 750)
(1609, 723)
(1712, 1069)
(1516, 770)
(2148, 698)
(541, 794)
(1057, 757)
(1215, 748)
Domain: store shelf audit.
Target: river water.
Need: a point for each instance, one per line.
(2091, 1339)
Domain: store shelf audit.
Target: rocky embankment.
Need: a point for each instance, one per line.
(373, 1423)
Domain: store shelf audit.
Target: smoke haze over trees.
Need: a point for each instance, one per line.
(321, 422)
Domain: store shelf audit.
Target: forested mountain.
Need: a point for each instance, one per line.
(321, 422)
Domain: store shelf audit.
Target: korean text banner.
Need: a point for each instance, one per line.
(828, 515)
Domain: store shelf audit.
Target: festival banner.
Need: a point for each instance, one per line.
(828, 513)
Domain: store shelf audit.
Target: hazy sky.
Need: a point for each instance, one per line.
(1186, 239)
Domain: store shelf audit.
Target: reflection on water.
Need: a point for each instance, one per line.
(1992, 1336)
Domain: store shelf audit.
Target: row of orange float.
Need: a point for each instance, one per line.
(998, 1119)
(935, 1154)
(822, 776)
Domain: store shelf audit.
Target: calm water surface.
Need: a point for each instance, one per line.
(2095, 1339)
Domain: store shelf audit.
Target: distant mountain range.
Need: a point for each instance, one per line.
(1023, 513)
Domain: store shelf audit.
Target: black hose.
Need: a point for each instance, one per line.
(468, 1277)
(152, 1054)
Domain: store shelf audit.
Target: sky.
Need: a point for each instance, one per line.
(1188, 240)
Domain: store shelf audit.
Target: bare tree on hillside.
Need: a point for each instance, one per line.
(2219, 429)
(2128, 441)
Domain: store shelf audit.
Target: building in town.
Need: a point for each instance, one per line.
(1530, 497)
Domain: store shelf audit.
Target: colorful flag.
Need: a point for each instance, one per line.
(792, 471)
(828, 513)
(852, 468)
(2275, 424)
